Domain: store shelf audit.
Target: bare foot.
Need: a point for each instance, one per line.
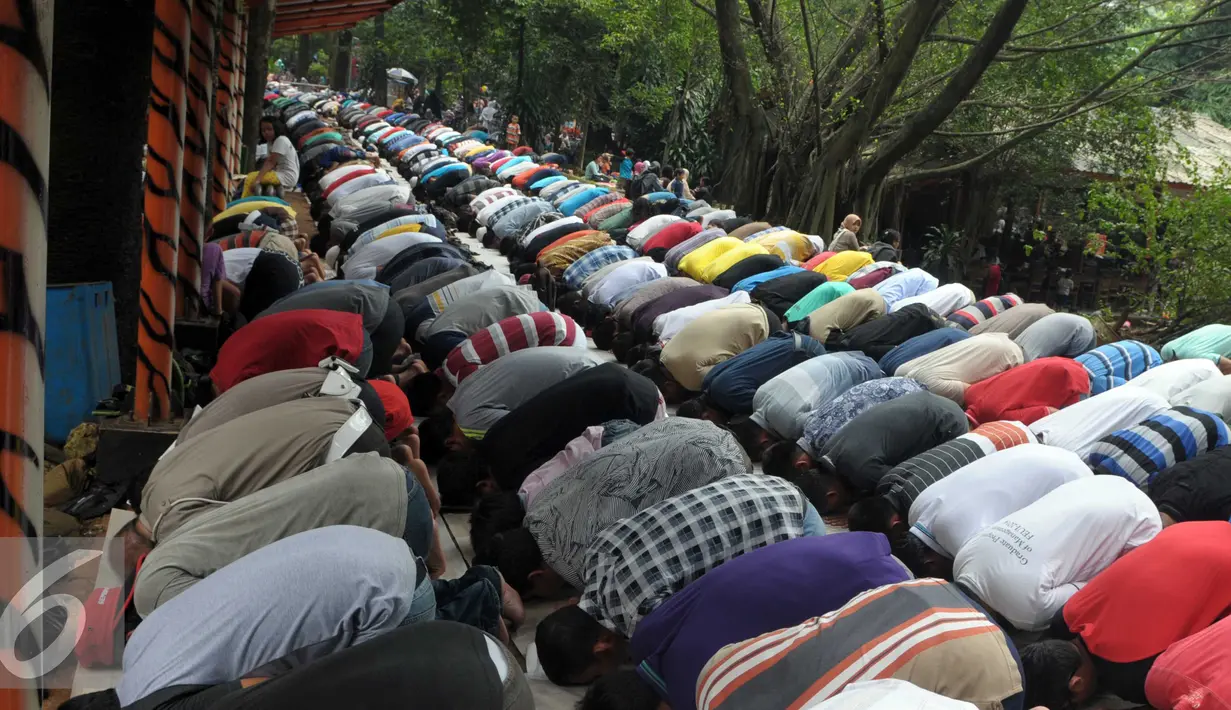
(514, 610)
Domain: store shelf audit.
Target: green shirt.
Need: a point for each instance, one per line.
(1212, 342)
(818, 297)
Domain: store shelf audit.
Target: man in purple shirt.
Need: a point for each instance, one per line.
(772, 587)
(213, 273)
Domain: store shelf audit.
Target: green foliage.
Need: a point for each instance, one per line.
(1179, 241)
(943, 254)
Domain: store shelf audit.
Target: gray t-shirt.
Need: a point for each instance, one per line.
(365, 490)
(474, 312)
(497, 389)
(366, 298)
(242, 457)
(255, 394)
(1057, 335)
(303, 597)
(661, 460)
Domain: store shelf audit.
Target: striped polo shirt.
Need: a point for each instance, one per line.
(903, 484)
(1141, 452)
(530, 330)
(923, 631)
(1113, 364)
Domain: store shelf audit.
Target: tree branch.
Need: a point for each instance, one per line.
(713, 15)
(959, 86)
(1074, 109)
(1091, 43)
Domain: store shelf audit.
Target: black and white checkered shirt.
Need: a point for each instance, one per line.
(634, 565)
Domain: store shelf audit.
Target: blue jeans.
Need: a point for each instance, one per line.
(418, 533)
(814, 525)
(473, 599)
(423, 603)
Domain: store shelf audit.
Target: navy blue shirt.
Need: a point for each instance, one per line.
(730, 385)
(919, 346)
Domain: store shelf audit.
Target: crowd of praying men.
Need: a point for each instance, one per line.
(1032, 518)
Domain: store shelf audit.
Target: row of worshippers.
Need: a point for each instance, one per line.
(632, 550)
(294, 519)
(976, 376)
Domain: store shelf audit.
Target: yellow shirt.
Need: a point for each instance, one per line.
(695, 261)
(399, 230)
(247, 207)
(790, 245)
(716, 267)
(476, 150)
(843, 264)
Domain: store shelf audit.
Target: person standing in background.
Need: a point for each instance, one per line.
(512, 133)
(1064, 290)
(626, 168)
(994, 275)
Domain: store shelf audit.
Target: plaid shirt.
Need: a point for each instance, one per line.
(463, 192)
(1141, 452)
(604, 199)
(634, 565)
(577, 273)
(508, 209)
(481, 201)
(1113, 364)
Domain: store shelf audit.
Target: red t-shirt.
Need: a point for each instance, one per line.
(672, 235)
(1194, 673)
(286, 341)
(1029, 392)
(1166, 590)
(817, 260)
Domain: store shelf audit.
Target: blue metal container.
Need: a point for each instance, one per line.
(83, 358)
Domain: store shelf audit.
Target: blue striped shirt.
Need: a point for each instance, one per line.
(1141, 452)
(577, 272)
(1113, 364)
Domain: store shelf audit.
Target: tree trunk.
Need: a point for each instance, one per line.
(260, 27)
(380, 82)
(521, 64)
(303, 57)
(743, 137)
(95, 207)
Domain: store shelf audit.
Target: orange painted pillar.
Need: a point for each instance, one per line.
(241, 72)
(160, 230)
(224, 126)
(25, 115)
(198, 115)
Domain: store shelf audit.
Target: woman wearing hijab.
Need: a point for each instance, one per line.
(847, 236)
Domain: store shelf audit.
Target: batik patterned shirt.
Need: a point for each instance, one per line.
(826, 420)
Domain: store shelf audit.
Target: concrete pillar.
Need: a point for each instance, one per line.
(163, 185)
(380, 82)
(25, 116)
